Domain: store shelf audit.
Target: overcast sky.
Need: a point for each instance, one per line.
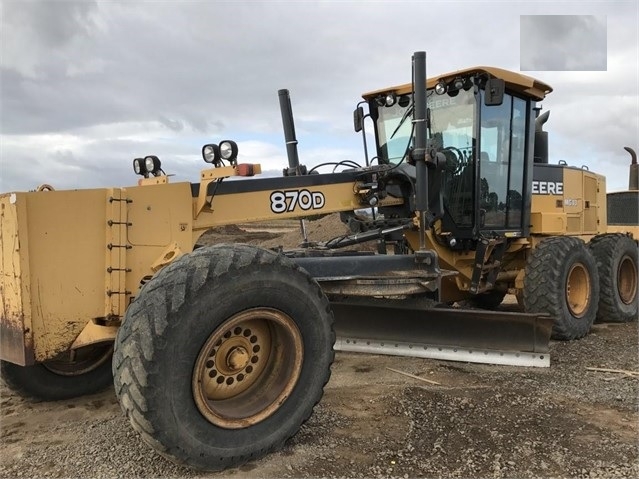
(563, 42)
(88, 86)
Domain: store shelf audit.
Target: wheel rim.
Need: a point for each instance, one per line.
(247, 368)
(627, 280)
(578, 290)
(76, 362)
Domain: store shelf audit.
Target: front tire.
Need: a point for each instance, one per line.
(561, 280)
(616, 257)
(77, 373)
(223, 355)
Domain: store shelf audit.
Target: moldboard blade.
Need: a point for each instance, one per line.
(389, 327)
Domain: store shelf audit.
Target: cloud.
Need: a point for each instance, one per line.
(563, 43)
(86, 87)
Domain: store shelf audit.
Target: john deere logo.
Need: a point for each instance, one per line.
(547, 188)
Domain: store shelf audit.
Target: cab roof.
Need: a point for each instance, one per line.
(523, 84)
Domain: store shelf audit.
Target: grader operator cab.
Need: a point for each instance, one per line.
(499, 214)
(220, 353)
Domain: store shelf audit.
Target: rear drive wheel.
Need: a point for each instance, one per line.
(616, 257)
(223, 355)
(561, 280)
(78, 372)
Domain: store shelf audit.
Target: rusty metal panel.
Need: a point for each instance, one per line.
(66, 260)
(16, 335)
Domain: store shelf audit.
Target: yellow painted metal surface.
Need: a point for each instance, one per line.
(160, 217)
(61, 253)
(579, 210)
(257, 206)
(514, 81)
(94, 333)
(632, 230)
(548, 222)
(70, 258)
(16, 332)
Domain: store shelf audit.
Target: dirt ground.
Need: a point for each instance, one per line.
(480, 421)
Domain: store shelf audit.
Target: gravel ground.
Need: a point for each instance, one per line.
(482, 421)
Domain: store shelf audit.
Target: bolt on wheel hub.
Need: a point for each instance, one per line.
(237, 358)
(258, 350)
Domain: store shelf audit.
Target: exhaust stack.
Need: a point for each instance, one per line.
(633, 180)
(289, 133)
(541, 139)
(419, 151)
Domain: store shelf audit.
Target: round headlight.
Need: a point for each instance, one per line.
(228, 150)
(148, 164)
(152, 164)
(138, 164)
(210, 153)
(390, 99)
(458, 83)
(440, 88)
(404, 101)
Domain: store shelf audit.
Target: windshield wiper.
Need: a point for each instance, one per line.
(408, 112)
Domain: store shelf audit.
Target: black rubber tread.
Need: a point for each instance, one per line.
(40, 383)
(489, 300)
(608, 249)
(158, 330)
(545, 277)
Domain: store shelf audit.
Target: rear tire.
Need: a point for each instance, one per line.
(616, 257)
(223, 355)
(62, 378)
(561, 280)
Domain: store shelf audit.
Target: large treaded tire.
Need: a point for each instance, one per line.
(548, 270)
(165, 332)
(616, 257)
(40, 382)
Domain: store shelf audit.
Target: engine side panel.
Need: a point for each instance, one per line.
(567, 201)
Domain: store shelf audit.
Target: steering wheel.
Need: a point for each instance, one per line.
(454, 159)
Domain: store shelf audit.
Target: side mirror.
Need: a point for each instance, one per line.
(358, 119)
(494, 92)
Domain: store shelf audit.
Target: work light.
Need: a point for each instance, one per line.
(211, 153)
(390, 99)
(138, 166)
(440, 88)
(152, 165)
(228, 150)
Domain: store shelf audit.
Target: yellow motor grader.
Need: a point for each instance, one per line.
(219, 353)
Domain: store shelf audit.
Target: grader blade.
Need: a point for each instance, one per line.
(450, 334)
